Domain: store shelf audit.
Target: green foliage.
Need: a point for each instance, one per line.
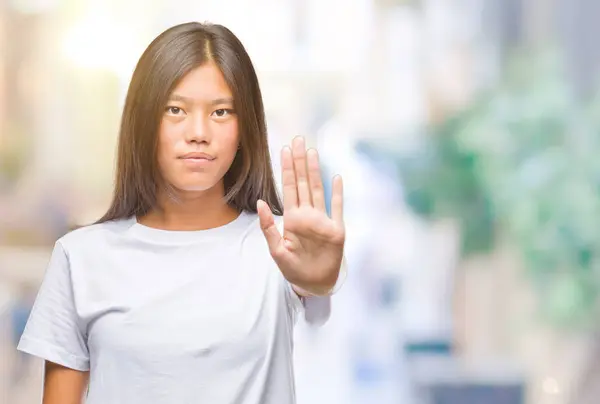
(523, 161)
(443, 182)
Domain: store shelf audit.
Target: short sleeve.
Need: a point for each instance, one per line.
(316, 309)
(53, 331)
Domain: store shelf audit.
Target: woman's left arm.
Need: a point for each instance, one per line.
(310, 252)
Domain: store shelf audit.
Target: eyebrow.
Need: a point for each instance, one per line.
(188, 100)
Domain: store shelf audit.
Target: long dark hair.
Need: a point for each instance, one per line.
(172, 55)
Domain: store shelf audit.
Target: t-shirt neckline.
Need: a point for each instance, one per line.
(163, 236)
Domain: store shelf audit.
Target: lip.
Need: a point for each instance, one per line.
(197, 156)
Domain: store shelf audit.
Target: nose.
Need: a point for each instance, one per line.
(198, 130)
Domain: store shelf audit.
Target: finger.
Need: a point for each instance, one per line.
(288, 180)
(268, 226)
(337, 200)
(314, 177)
(299, 154)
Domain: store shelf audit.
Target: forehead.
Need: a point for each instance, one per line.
(205, 82)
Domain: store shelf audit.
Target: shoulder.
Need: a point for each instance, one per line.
(93, 235)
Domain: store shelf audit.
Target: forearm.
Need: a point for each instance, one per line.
(63, 385)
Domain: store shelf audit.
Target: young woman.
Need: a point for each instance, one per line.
(186, 290)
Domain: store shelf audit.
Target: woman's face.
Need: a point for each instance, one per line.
(198, 135)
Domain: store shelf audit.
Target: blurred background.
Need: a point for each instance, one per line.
(467, 132)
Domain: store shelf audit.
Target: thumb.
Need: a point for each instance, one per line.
(268, 226)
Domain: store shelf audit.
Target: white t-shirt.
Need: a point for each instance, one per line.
(170, 317)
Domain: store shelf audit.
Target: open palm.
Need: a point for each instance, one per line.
(310, 251)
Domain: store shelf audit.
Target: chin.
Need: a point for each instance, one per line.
(195, 186)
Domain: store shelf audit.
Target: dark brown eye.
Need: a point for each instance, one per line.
(174, 110)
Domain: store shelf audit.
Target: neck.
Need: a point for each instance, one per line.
(190, 211)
